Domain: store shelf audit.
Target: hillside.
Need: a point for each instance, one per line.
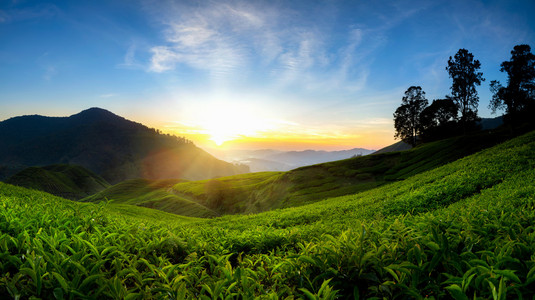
(70, 182)
(463, 230)
(110, 146)
(399, 146)
(257, 192)
(151, 194)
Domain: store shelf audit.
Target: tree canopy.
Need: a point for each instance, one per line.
(438, 120)
(462, 69)
(407, 116)
(518, 97)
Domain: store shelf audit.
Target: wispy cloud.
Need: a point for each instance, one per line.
(243, 38)
(50, 71)
(109, 95)
(15, 14)
(209, 38)
(3, 16)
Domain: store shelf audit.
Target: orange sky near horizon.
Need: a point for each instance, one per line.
(291, 141)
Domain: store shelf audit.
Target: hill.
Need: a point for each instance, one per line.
(399, 146)
(151, 194)
(257, 192)
(70, 182)
(463, 230)
(109, 145)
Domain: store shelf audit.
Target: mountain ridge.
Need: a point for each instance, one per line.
(105, 143)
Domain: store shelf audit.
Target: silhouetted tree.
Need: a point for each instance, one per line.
(518, 97)
(438, 120)
(462, 69)
(407, 116)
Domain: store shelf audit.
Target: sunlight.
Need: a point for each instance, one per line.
(223, 123)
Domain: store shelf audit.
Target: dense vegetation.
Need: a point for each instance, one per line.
(108, 145)
(414, 121)
(152, 194)
(67, 181)
(256, 192)
(463, 230)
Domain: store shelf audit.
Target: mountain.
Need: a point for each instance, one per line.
(262, 165)
(490, 123)
(311, 157)
(276, 160)
(107, 144)
(70, 182)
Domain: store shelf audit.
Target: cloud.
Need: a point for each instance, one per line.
(50, 71)
(3, 16)
(258, 39)
(38, 11)
(109, 95)
(212, 38)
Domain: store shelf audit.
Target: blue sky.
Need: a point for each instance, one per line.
(249, 74)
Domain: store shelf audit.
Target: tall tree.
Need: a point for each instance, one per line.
(407, 116)
(518, 96)
(462, 69)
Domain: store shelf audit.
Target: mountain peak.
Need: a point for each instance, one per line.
(96, 114)
(95, 111)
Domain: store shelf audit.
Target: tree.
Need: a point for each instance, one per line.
(518, 97)
(462, 69)
(407, 116)
(439, 119)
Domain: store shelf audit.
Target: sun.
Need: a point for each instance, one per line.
(223, 123)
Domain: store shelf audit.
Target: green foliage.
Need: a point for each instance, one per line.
(152, 194)
(463, 71)
(407, 119)
(518, 97)
(258, 192)
(463, 230)
(67, 181)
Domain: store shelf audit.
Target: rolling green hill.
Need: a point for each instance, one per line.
(463, 230)
(67, 181)
(152, 194)
(257, 192)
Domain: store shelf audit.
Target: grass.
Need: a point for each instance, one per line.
(463, 230)
(258, 192)
(152, 194)
(67, 181)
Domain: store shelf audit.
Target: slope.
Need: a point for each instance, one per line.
(257, 192)
(151, 194)
(463, 230)
(107, 144)
(67, 181)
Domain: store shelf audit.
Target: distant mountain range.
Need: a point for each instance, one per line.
(276, 160)
(108, 145)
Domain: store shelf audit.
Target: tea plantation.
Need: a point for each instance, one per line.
(465, 230)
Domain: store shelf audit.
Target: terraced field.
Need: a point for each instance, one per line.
(463, 230)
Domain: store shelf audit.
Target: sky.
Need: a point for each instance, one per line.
(289, 75)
